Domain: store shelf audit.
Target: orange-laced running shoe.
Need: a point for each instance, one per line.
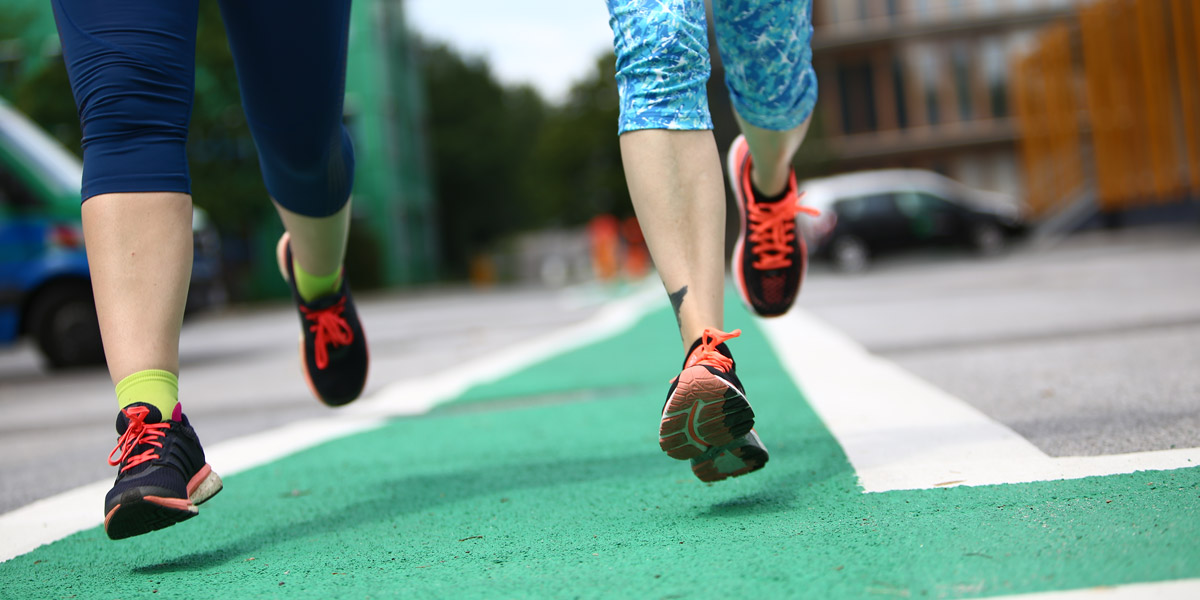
(333, 347)
(770, 258)
(163, 475)
(706, 418)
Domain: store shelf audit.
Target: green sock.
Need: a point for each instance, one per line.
(152, 386)
(312, 287)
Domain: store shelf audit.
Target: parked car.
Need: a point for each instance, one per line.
(45, 289)
(870, 213)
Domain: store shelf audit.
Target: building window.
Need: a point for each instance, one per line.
(856, 85)
(930, 65)
(901, 93)
(995, 72)
(962, 80)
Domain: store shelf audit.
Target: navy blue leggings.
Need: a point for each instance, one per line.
(132, 63)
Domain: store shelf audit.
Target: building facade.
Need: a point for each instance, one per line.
(926, 83)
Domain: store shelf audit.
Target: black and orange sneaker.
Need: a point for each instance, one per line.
(162, 476)
(769, 259)
(707, 418)
(333, 348)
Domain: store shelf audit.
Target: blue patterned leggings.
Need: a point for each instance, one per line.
(663, 61)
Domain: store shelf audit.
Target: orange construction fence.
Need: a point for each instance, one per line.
(1123, 83)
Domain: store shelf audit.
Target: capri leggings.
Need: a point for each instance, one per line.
(663, 61)
(131, 64)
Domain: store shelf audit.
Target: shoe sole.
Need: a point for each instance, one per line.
(281, 258)
(745, 455)
(739, 282)
(151, 513)
(704, 412)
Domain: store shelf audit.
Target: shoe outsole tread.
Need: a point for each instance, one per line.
(743, 456)
(137, 513)
(704, 412)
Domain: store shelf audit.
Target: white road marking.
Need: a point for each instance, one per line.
(54, 518)
(901, 432)
(1180, 589)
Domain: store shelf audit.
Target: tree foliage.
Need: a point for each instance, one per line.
(506, 161)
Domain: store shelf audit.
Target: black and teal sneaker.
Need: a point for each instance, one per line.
(706, 418)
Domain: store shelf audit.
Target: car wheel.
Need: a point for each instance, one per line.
(987, 239)
(64, 324)
(849, 254)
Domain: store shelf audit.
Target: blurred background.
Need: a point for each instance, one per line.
(487, 149)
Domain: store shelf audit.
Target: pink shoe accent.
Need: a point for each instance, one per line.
(177, 414)
(198, 478)
(109, 516)
(182, 504)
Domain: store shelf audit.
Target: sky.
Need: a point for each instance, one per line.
(549, 44)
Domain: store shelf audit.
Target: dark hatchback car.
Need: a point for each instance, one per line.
(865, 215)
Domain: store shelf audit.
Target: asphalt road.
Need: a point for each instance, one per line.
(1086, 348)
(1091, 347)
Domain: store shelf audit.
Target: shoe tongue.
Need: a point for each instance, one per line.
(762, 198)
(722, 348)
(321, 303)
(154, 416)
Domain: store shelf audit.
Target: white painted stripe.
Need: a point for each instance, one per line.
(1182, 589)
(54, 518)
(901, 432)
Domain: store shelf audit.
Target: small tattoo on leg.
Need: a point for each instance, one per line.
(677, 301)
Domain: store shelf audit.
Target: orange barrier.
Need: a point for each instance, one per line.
(1134, 84)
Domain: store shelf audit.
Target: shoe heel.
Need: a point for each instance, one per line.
(208, 487)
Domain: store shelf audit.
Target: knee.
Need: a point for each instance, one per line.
(135, 129)
(784, 104)
(662, 70)
(309, 177)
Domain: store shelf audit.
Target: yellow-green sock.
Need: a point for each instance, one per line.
(312, 286)
(152, 386)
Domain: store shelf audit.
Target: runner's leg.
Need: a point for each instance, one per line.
(291, 64)
(131, 65)
(768, 70)
(670, 157)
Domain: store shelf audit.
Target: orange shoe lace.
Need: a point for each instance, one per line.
(707, 354)
(773, 227)
(138, 431)
(330, 327)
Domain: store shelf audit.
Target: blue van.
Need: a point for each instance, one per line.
(45, 289)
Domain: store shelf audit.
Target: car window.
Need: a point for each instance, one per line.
(917, 204)
(931, 202)
(880, 204)
(13, 194)
(850, 208)
(865, 207)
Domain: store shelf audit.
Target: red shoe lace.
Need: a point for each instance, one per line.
(707, 354)
(773, 226)
(138, 431)
(330, 327)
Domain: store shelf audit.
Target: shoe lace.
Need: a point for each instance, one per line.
(707, 354)
(773, 228)
(137, 432)
(330, 327)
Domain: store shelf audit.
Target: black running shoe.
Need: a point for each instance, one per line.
(162, 476)
(333, 348)
(706, 418)
(769, 259)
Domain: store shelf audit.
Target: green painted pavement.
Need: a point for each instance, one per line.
(549, 483)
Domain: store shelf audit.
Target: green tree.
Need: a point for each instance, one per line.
(482, 135)
(577, 172)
